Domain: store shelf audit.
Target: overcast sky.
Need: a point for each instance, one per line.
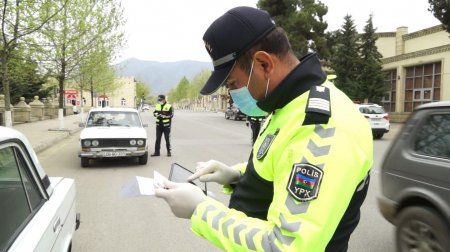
(172, 30)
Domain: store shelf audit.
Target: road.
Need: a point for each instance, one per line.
(110, 223)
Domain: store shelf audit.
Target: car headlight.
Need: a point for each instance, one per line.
(132, 142)
(86, 143)
(94, 143)
(140, 142)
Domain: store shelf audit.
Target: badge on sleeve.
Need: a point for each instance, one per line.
(304, 182)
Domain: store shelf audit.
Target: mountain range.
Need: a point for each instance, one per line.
(160, 76)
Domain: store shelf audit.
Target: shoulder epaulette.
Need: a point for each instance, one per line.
(318, 108)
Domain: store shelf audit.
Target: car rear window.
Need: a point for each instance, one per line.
(372, 110)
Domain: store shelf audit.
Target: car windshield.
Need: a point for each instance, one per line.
(372, 110)
(113, 118)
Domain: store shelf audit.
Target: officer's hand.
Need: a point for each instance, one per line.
(215, 171)
(182, 198)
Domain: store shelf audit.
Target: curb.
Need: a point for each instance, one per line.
(64, 134)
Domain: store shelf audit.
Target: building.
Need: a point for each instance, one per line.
(122, 96)
(417, 65)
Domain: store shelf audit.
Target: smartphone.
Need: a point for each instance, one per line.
(181, 174)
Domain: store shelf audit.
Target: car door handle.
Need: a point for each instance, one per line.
(56, 225)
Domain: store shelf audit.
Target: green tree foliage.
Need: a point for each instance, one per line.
(303, 22)
(371, 85)
(25, 80)
(441, 10)
(345, 60)
(181, 91)
(19, 20)
(142, 92)
(76, 32)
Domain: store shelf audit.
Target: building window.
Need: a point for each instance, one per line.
(422, 85)
(123, 102)
(388, 100)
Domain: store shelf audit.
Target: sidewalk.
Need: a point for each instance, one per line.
(43, 134)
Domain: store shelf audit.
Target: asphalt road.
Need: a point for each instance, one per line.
(110, 223)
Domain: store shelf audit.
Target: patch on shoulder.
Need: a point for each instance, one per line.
(304, 182)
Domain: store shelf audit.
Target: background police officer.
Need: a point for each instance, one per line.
(308, 173)
(255, 125)
(163, 113)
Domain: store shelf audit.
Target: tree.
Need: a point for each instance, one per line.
(142, 91)
(345, 60)
(72, 35)
(180, 92)
(19, 20)
(371, 85)
(303, 22)
(441, 10)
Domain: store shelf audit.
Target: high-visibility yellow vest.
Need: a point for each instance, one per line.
(163, 110)
(339, 152)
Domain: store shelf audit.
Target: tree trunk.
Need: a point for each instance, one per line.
(6, 90)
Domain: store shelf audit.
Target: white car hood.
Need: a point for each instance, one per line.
(113, 132)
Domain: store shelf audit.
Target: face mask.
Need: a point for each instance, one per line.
(161, 102)
(245, 101)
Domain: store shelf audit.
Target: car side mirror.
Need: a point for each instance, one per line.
(81, 125)
(145, 125)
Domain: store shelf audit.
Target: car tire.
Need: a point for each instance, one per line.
(421, 229)
(84, 162)
(378, 135)
(143, 159)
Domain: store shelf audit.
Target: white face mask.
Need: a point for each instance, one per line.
(245, 101)
(161, 102)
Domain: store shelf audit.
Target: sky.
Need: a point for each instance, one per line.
(172, 30)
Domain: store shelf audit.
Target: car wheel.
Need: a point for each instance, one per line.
(84, 162)
(143, 159)
(378, 135)
(421, 229)
(226, 117)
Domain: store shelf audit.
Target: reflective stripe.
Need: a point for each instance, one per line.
(224, 59)
(207, 209)
(273, 246)
(291, 227)
(324, 133)
(294, 207)
(215, 221)
(249, 238)
(316, 150)
(225, 226)
(285, 239)
(238, 229)
(265, 243)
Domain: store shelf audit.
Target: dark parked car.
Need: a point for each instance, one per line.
(234, 113)
(415, 181)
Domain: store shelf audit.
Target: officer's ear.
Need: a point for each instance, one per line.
(266, 62)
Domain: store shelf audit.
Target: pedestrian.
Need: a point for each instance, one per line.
(255, 125)
(163, 113)
(308, 173)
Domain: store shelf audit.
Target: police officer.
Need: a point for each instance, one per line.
(308, 173)
(163, 113)
(255, 125)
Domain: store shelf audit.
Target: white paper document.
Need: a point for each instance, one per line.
(142, 186)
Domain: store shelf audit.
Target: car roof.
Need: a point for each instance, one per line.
(10, 134)
(368, 104)
(114, 109)
(439, 104)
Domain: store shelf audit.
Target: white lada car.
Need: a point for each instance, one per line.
(37, 212)
(113, 133)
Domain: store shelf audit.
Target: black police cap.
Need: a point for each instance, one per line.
(230, 36)
(161, 97)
